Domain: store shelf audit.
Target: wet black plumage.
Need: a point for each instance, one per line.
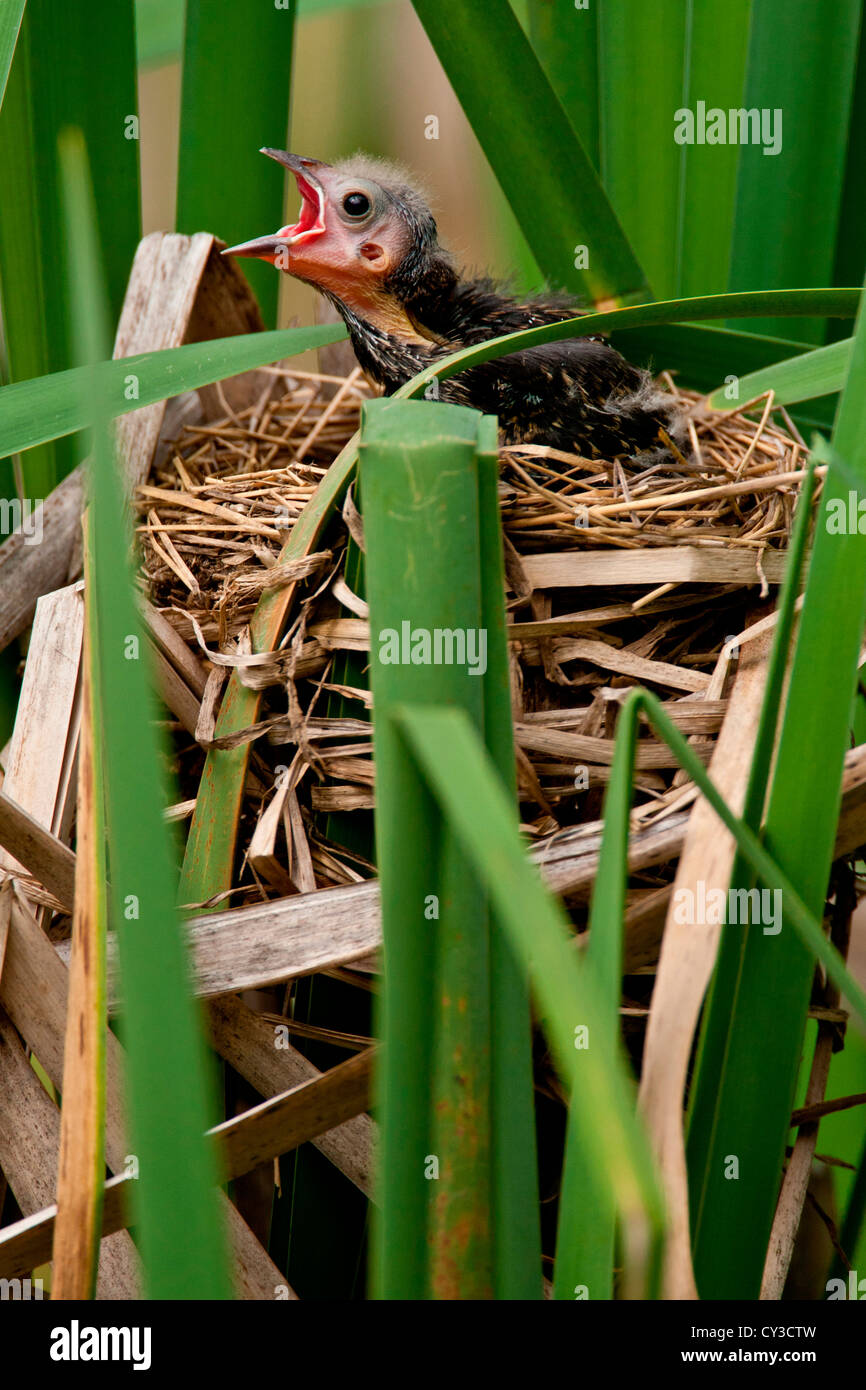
(406, 306)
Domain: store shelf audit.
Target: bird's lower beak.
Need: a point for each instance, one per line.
(311, 222)
(265, 247)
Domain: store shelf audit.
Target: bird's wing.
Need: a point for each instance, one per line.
(578, 394)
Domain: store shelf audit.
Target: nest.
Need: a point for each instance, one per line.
(589, 618)
(221, 504)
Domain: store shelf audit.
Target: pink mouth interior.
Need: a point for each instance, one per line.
(311, 221)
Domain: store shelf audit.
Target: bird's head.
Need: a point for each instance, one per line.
(364, 236)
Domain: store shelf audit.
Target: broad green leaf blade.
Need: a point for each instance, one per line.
(237, 64)
(10, 23)
(52, 84)
(460, 775)
(817, 373)
(716, 42)
(423, 572)
(177, 1218)
(434, 1238)
(158, 30)
(538, 159)
(703, 354)
(850, 264)
(642, 51)
(83, 73)
(800, 829)
(52, 406)
(565, 39)
(807, 124)
(160, 24)
(35, 337)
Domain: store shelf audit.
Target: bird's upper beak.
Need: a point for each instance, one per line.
(311, 222)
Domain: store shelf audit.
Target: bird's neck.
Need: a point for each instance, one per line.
(387, 345)
(425, 288)
(411, 323)
(394, 328)
(426, 310)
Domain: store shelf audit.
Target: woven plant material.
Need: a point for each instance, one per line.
(617, 575)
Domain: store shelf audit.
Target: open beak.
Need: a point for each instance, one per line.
(265, 247)
(311, 221)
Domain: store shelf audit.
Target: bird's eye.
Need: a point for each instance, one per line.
(356, 204)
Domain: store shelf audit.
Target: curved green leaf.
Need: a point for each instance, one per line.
(801, 378)
(830, 303)
(49, 407)
(182, 1240)
(801, 917)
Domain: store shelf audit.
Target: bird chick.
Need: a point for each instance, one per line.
(367, 240)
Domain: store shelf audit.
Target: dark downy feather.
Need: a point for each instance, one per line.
(578, 395)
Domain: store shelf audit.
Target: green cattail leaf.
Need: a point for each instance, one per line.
(823, 302)
(50, 407)
(801, 378)
(237, 64)
(493, 69)
(178, 1222)
(811, 118)
(10, 23)
(52, 85)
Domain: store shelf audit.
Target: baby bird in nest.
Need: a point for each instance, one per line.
(366, 239)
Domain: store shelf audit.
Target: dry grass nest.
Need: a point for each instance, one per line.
(589, 618)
